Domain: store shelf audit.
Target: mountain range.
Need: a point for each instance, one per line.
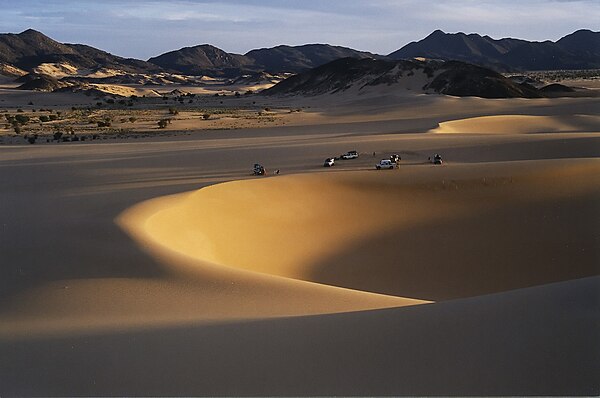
(579, 50)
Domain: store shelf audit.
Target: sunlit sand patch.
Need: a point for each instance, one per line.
(520, 124)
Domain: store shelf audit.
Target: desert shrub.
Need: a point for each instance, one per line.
(162, 123)
(44, 119)
(57, 135)
(22, 119)
(17, 129)
(249, 92)
(237, 94)
(267, 109)
(53, 117)
(104, 123)
(20, 110)
(132, 119)
(206, 116)
(32, 138)
(30, 103)
(173, 111)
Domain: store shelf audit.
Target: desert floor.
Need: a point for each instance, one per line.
(160, 266)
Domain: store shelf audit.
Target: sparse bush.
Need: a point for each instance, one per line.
(17, 129)
(22, 119)
(44, 119)
(206, 116)
(162, 123)
(30, 103)
(132, 119)
(173, 111)
(104, 123)
(20, 110)
(53, 117)
(57, 135)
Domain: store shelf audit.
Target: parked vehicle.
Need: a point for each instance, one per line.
(258, 170)
(349, 155)
(329, 162)
(385, 164)
(436, 159)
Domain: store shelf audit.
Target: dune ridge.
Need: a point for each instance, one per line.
(519, 124)
(298, 226)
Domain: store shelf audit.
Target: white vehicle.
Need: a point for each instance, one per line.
(329, 162)
(349, 155)
(385, 164)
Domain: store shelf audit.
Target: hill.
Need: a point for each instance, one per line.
(209, 60)
(204, 60)
(451, 78)
(296, 59)
(580, 50)
(29, 49)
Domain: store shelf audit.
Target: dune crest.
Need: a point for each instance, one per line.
(519, 124)
(298, 227)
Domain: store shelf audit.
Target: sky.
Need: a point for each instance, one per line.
(146, 28)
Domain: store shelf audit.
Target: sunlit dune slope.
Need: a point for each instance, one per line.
(426, 232)
(520, 124)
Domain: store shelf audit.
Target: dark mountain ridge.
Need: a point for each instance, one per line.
(30, 48)
(579, 50)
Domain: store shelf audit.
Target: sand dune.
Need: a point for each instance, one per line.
(393, 232)
(305, 283)
(520, 124)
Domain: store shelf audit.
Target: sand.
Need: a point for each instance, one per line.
(162, 267)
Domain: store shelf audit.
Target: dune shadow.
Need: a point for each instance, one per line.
(479, 347)
(497, 250)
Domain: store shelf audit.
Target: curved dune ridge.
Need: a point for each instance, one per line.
(519, 124)
(429, 233)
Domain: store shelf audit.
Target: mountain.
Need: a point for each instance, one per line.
(580, 50)
(209, 60)
(444, 77)
(300, 58)
(29, 49)
(204, 60)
